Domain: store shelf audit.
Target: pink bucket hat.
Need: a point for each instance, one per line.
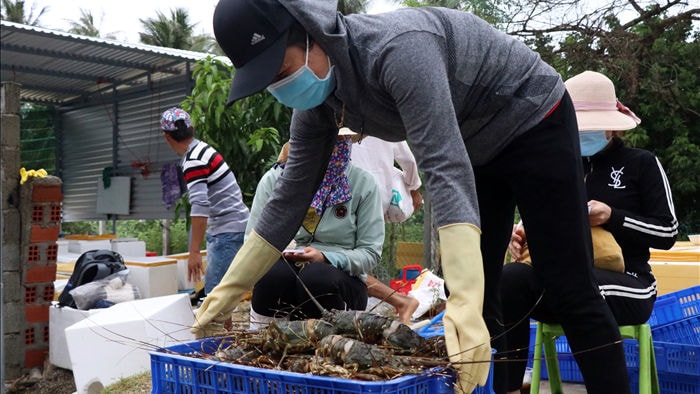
(596, 104)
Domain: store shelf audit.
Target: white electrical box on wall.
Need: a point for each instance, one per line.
(116, 199)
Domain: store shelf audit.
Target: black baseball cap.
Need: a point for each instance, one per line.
(253, 34)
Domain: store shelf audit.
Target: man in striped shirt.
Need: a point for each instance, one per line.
(217, 208)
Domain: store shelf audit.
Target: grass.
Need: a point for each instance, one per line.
(140, 383)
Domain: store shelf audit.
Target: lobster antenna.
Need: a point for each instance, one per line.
(306, 289)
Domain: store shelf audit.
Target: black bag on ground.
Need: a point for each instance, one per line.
(91, 266)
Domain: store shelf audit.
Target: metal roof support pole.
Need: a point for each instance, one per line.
(115, 143)
(2, 287)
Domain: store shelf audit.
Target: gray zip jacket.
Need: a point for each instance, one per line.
(456, 88)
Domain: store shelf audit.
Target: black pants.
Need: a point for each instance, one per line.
(541, 173)
(630, 297)
(280, 292)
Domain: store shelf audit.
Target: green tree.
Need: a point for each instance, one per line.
(653, 58)
(85, 26)
(488, 10)
(248, 134)
(15, 11)
(37, 139)
(174, 32)
(347, 7)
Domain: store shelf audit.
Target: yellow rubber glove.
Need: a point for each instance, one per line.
(252, 261)
(466, 336)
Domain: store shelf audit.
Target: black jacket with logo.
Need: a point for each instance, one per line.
(633, 183)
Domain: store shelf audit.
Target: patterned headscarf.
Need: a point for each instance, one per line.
(334, 188)
(172, 115)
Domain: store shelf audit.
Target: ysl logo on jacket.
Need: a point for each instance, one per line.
(615, 175)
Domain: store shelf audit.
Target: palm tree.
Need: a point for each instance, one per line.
(174, 32)
(85, 26)
(13, 11)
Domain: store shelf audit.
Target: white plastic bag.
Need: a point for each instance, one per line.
(105, 292)
(401, 204)
(429, 290)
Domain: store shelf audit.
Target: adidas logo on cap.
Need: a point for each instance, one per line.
(257, 37)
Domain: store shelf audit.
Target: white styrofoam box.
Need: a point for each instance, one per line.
(80, 246)
(153, 276)
(129, 247)
(182, 282)
(59, 320)
(58, 286)
(67, 257)
(62, 246)
(114, 343)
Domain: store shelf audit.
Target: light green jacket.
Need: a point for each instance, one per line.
(350, 235)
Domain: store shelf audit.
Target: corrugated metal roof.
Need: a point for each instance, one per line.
(60, 68)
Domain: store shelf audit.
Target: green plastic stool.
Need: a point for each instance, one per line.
(548, 333)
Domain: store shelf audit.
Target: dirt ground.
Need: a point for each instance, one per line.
(55, 380)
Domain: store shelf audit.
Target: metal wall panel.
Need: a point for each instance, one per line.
(87, 141)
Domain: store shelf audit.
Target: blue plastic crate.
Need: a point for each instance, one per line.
(679, 358)
(675, 306)
(669, 383)
(671, 357)
(568, 368)
(683, 331)
(172, 372)
(666, 310)
(531, 348)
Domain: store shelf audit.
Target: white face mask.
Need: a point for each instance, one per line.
(592, 142)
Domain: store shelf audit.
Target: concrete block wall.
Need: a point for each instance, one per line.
(31, 215)
(10, 260)
(40, 217)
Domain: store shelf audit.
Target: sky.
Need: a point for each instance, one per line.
(121, 17)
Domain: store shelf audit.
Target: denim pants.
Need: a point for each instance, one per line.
(221, 249)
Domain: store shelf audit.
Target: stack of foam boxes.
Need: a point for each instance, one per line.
(40, 217)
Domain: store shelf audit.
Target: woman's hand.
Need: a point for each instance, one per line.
(417, 199)
(518, 242)
(598, 212)
(311, 255)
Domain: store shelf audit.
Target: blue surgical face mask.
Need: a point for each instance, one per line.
(303, 89)
(592, 142)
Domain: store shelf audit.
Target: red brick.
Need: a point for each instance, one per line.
(35, 358)
(36, 314)
(47, 193)
(43, 234)
(41, 274)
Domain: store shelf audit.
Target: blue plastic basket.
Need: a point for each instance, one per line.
(678, 358)
(683, 331)
(675, 306)
(669, 383)
(172, 372)
(568, 368)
